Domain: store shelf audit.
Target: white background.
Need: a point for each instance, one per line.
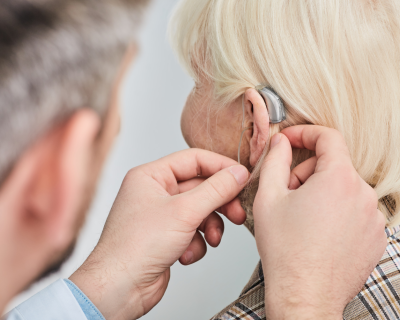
(152, 99)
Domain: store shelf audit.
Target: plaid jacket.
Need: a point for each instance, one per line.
(379, 299)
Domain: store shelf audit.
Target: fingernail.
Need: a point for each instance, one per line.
(189, 257)
(275, 140)
(240, 173)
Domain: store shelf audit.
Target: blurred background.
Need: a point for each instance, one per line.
(152, 99)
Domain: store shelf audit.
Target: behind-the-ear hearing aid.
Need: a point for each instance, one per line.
(275, 107)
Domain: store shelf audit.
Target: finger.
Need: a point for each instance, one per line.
(328, 144)
(185, 165)
(214, 192)
(196, 250)
(213, 229)
(233, 211)
(192, 163)
(302, 172)
(275, 171)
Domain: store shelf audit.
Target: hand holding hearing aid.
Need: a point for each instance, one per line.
(324, 216)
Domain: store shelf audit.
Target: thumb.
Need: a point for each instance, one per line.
(275, 171)
(216, 191)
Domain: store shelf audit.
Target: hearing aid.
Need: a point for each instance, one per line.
(275, 107)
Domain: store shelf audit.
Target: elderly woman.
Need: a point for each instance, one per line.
(334, 63)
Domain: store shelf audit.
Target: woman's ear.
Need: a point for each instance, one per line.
(257, 114)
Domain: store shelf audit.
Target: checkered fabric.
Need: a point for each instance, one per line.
(379, 299)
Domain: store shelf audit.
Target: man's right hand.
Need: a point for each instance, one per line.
(318, 230)
(156, 219)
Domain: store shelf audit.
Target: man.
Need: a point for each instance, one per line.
(59, 115)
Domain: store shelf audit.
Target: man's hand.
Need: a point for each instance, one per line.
(155, 221)
(318, 230)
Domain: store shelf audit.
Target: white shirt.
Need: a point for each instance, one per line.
(56, 302)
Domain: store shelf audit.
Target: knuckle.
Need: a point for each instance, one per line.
(192, 151)
(133, 175)
(130, 176)
(345, 180)
(134, 172)
(131, 172)
(369, 202)
(196, 152)
(371, 199)
(139, 172)
(335, 133)
(353, 176)
(347, 173)
(381, 223)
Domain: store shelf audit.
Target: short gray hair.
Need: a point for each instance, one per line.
(57, 56)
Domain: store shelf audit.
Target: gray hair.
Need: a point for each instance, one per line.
(57, 56)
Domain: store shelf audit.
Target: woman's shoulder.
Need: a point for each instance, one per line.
(378, 299)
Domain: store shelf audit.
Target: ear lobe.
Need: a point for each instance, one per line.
(257, 111)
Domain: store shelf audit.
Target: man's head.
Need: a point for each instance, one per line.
(61, 64)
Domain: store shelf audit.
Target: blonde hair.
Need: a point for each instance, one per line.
(335, 63)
